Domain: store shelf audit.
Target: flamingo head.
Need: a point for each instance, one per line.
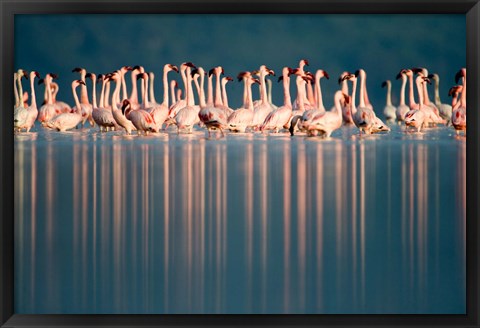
(242, 75)
(455, 90)
(228, 78)
(348, 76)
(303, 62)
(125, 69)
(171, 67)
(324, 73)
(125, 106)
(78, 69)
(270, 71)
(211, 71)
(461, 73)
(189, 64)
(91, 76)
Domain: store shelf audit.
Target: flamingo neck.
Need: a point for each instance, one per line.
(319, 97)
(116, 94)
(152, 93)
(300, 95)
(287, 100)
(410, 93)
(188, 89)
(389, 94)
(165, 89)
(184, 79)
(134, 93)
(245, 93)
(345, 87)
(249, 103)
(146, 103)
(102, 95)
(338, 105)
(426, 99)
(77, 102)
(362, 90)
(49, 91)
(210, 90)
(15, 89)
(33, 102)
(310, 97)
(263, 88)
(224, 94)
(463, 97)
(124, 86)
(172, 90)
(218, 92)
(420, 95)
(402, 90)
(94, 94)
(83, 90)
(437, 92)
(20, 90)
(269, 82)
(107, 93)
(201, 96)
(354, 91)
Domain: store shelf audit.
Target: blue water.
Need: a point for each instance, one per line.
(107, 223)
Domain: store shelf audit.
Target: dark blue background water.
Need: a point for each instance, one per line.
(107, 223)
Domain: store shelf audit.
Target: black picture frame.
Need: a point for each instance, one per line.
(9, 8)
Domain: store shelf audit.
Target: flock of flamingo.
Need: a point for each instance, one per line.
(306, 113)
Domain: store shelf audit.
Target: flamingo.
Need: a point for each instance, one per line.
(459, 112)
(362, 116)
(444, 109)
(435, 117)
(15, 91)
(136, 70)
(102, 116)
(402, 108)
(151, 89)
(241, 118)
(19, 93)
(181, 103)
(86, 107)
(225, 80)
(48, 110)
(118, 114)
(454, 92)
(61, 106)
(306, 103)
(261, 111)
(218, 103)
(280, 117)
(329, 121)
(212, 117)
(346, 102)
(269, 93)
(142, 120)
(24, 118)
(307, 115)
(159, 112)
(378, 125)
(67, 121)
(389, 110)
(187, 117)
(417, 117)
(122, 71)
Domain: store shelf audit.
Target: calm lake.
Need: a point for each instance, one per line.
(249, 223)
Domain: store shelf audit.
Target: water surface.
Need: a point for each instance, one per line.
(107, 223)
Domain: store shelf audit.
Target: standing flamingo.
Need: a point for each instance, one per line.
(25, 118)
(459, 112)
(159, 112)
(417, 117)
(48, 110)
(280, 117)
(242, 117)
(67, 121)
(86, 107)
(402, 108)
(389, 110)
(118, 114)
(103, 117)
(329, 121)
(261, 111)
(444, 109)
(187, 117)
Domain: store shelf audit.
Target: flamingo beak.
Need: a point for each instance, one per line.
(174, 68)
(306, 62)
(41, 81)
(37, 74)
(229, 78)
(210, 72)
(76, 69)
(280, 78)
(326, 74)
(458, 76)
(384, 83)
